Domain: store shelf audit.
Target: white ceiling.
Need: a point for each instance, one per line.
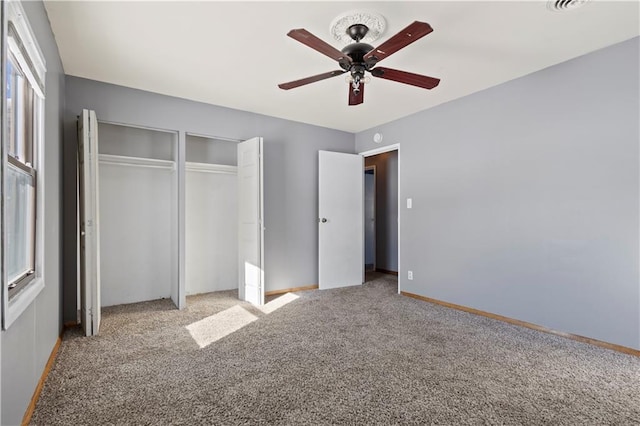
(235, 53)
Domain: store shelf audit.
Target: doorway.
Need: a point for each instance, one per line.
(381, 214)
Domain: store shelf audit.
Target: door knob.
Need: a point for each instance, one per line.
(324, 220)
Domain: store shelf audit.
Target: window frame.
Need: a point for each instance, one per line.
(19, 41)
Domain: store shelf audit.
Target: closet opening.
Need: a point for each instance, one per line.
(211, 214)
(137, 204)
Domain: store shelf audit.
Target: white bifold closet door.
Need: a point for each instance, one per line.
(250, 217)
(89, 222)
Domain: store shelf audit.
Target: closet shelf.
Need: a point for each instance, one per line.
(210, 168)
(121, 160)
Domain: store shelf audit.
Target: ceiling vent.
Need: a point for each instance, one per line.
(564, 5)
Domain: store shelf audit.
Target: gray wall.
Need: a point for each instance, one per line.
(211, 151)
(28, 342)
(386, 209)
(290, 170)
(525, 197)
(135, 142)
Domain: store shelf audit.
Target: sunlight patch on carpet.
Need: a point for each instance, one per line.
(278, 303)
(215, 327)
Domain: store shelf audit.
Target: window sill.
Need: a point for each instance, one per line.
(21, 302)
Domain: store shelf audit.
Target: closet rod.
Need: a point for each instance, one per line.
(149, 163)
(215, 172)
(211, 168)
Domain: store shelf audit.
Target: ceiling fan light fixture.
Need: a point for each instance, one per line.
(339, 28)
(349, 79)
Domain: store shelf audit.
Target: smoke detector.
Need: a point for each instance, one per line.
(564, 5)
(373, 21)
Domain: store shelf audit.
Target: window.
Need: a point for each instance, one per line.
(22, 168)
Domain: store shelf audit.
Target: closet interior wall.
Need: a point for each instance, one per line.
(211, 219)
(138, 213)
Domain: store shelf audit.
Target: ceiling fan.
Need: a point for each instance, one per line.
(358, 58)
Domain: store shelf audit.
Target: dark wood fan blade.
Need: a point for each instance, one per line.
(413, 32)
(356, 98)
(312, 79)
(406, 77)
(305, 37)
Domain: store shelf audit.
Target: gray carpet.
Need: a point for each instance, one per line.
(362, 355)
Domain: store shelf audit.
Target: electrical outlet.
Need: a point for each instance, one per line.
(410, 275)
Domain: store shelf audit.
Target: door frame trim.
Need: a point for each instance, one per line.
(381, 150)
(375, 218)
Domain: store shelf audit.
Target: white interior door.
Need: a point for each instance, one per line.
(89, 220)
(250, 218)
(340, 224)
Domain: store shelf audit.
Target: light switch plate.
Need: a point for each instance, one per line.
(409, 203)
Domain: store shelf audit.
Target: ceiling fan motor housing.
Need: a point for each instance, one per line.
(356, 51)
(358, 66)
